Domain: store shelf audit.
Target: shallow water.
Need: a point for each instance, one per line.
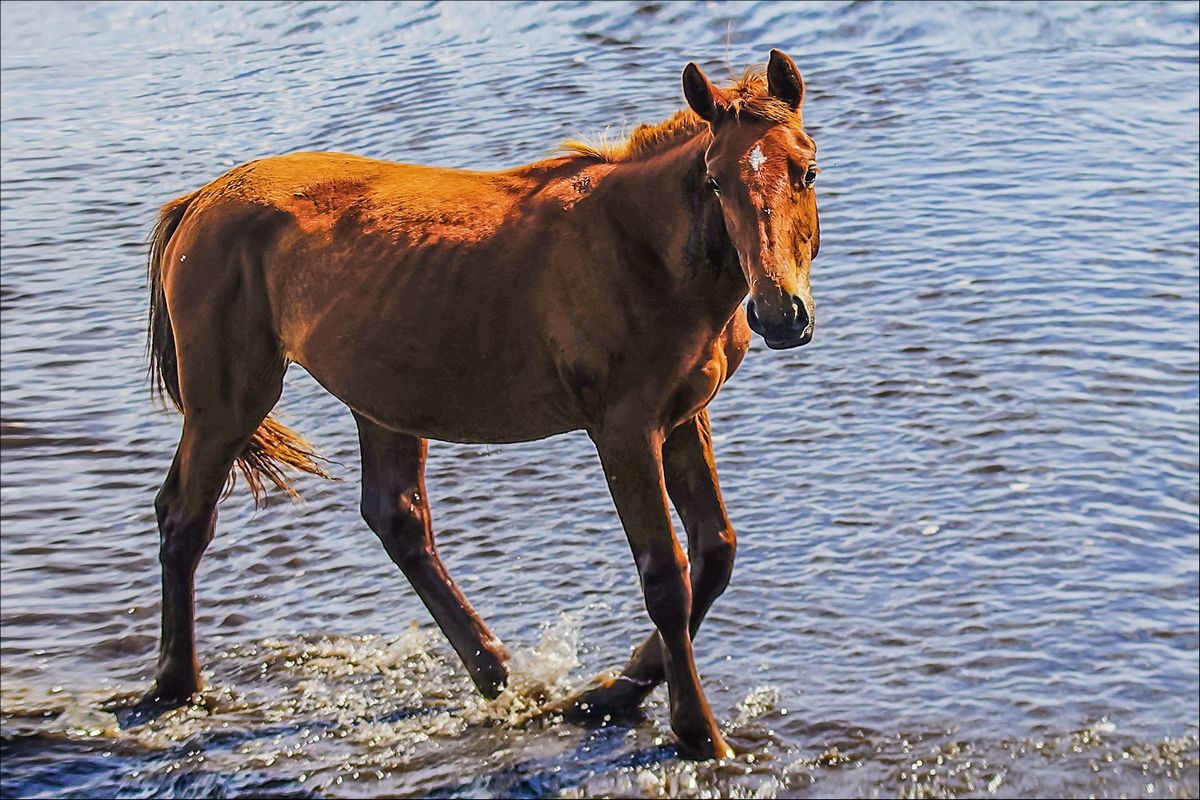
(967, 512)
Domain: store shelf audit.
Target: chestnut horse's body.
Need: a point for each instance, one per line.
(601, 290)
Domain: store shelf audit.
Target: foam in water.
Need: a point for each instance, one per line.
(536, 676)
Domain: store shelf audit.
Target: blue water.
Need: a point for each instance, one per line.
(968, 511)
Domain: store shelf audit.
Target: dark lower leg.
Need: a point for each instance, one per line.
(481, 652)
(646, 668)
(177, 676)
(634, 467)
(186, 510)
(396, 508)
(691, 481)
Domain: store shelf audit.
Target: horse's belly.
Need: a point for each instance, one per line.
(510, 417)
(480, 399)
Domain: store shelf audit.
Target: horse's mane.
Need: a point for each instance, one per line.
(747, 95)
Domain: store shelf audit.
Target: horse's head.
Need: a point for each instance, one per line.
(761, 167)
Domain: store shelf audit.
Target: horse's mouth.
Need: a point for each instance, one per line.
(787, 342)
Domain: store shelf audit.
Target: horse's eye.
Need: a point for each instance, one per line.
(810, 176)
(711, 183)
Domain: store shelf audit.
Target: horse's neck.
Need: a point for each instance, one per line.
(663, 205)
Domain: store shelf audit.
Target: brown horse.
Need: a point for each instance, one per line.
(600, 290)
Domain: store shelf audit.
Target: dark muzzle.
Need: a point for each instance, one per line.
(792, 327)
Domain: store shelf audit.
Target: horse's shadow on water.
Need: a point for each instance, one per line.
(130, 714)
(604, 751)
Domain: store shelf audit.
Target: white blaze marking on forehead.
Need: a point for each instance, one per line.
(757, 159)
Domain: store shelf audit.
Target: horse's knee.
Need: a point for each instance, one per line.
(715, 558)
(666, 591)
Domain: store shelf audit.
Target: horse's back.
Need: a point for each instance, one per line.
(319, 189)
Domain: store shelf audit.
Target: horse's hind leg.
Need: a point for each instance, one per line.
(691, 478)
(395, 506)
(216, 429)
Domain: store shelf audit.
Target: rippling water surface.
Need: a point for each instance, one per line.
(968, 510)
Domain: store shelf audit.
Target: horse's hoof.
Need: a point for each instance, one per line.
(698, 736)
(152, 705)
(491, 684)
(171, 697)
(162, 698)
(609, 697)
(488, 669)
(709, 748)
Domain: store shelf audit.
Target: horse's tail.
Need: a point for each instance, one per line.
(273, 446)
(160, 338)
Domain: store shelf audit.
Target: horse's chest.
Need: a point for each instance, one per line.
(655, 393)
(695, 390)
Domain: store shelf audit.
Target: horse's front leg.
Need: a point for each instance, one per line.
(633, 466)
(691, 478)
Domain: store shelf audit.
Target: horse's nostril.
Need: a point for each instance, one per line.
(800, 313)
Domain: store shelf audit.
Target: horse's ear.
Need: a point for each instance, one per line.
(784, 81)
(705, 99)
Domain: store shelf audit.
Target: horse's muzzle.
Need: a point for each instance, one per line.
(792, 328)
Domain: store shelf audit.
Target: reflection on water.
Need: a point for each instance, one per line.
(968, 511)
